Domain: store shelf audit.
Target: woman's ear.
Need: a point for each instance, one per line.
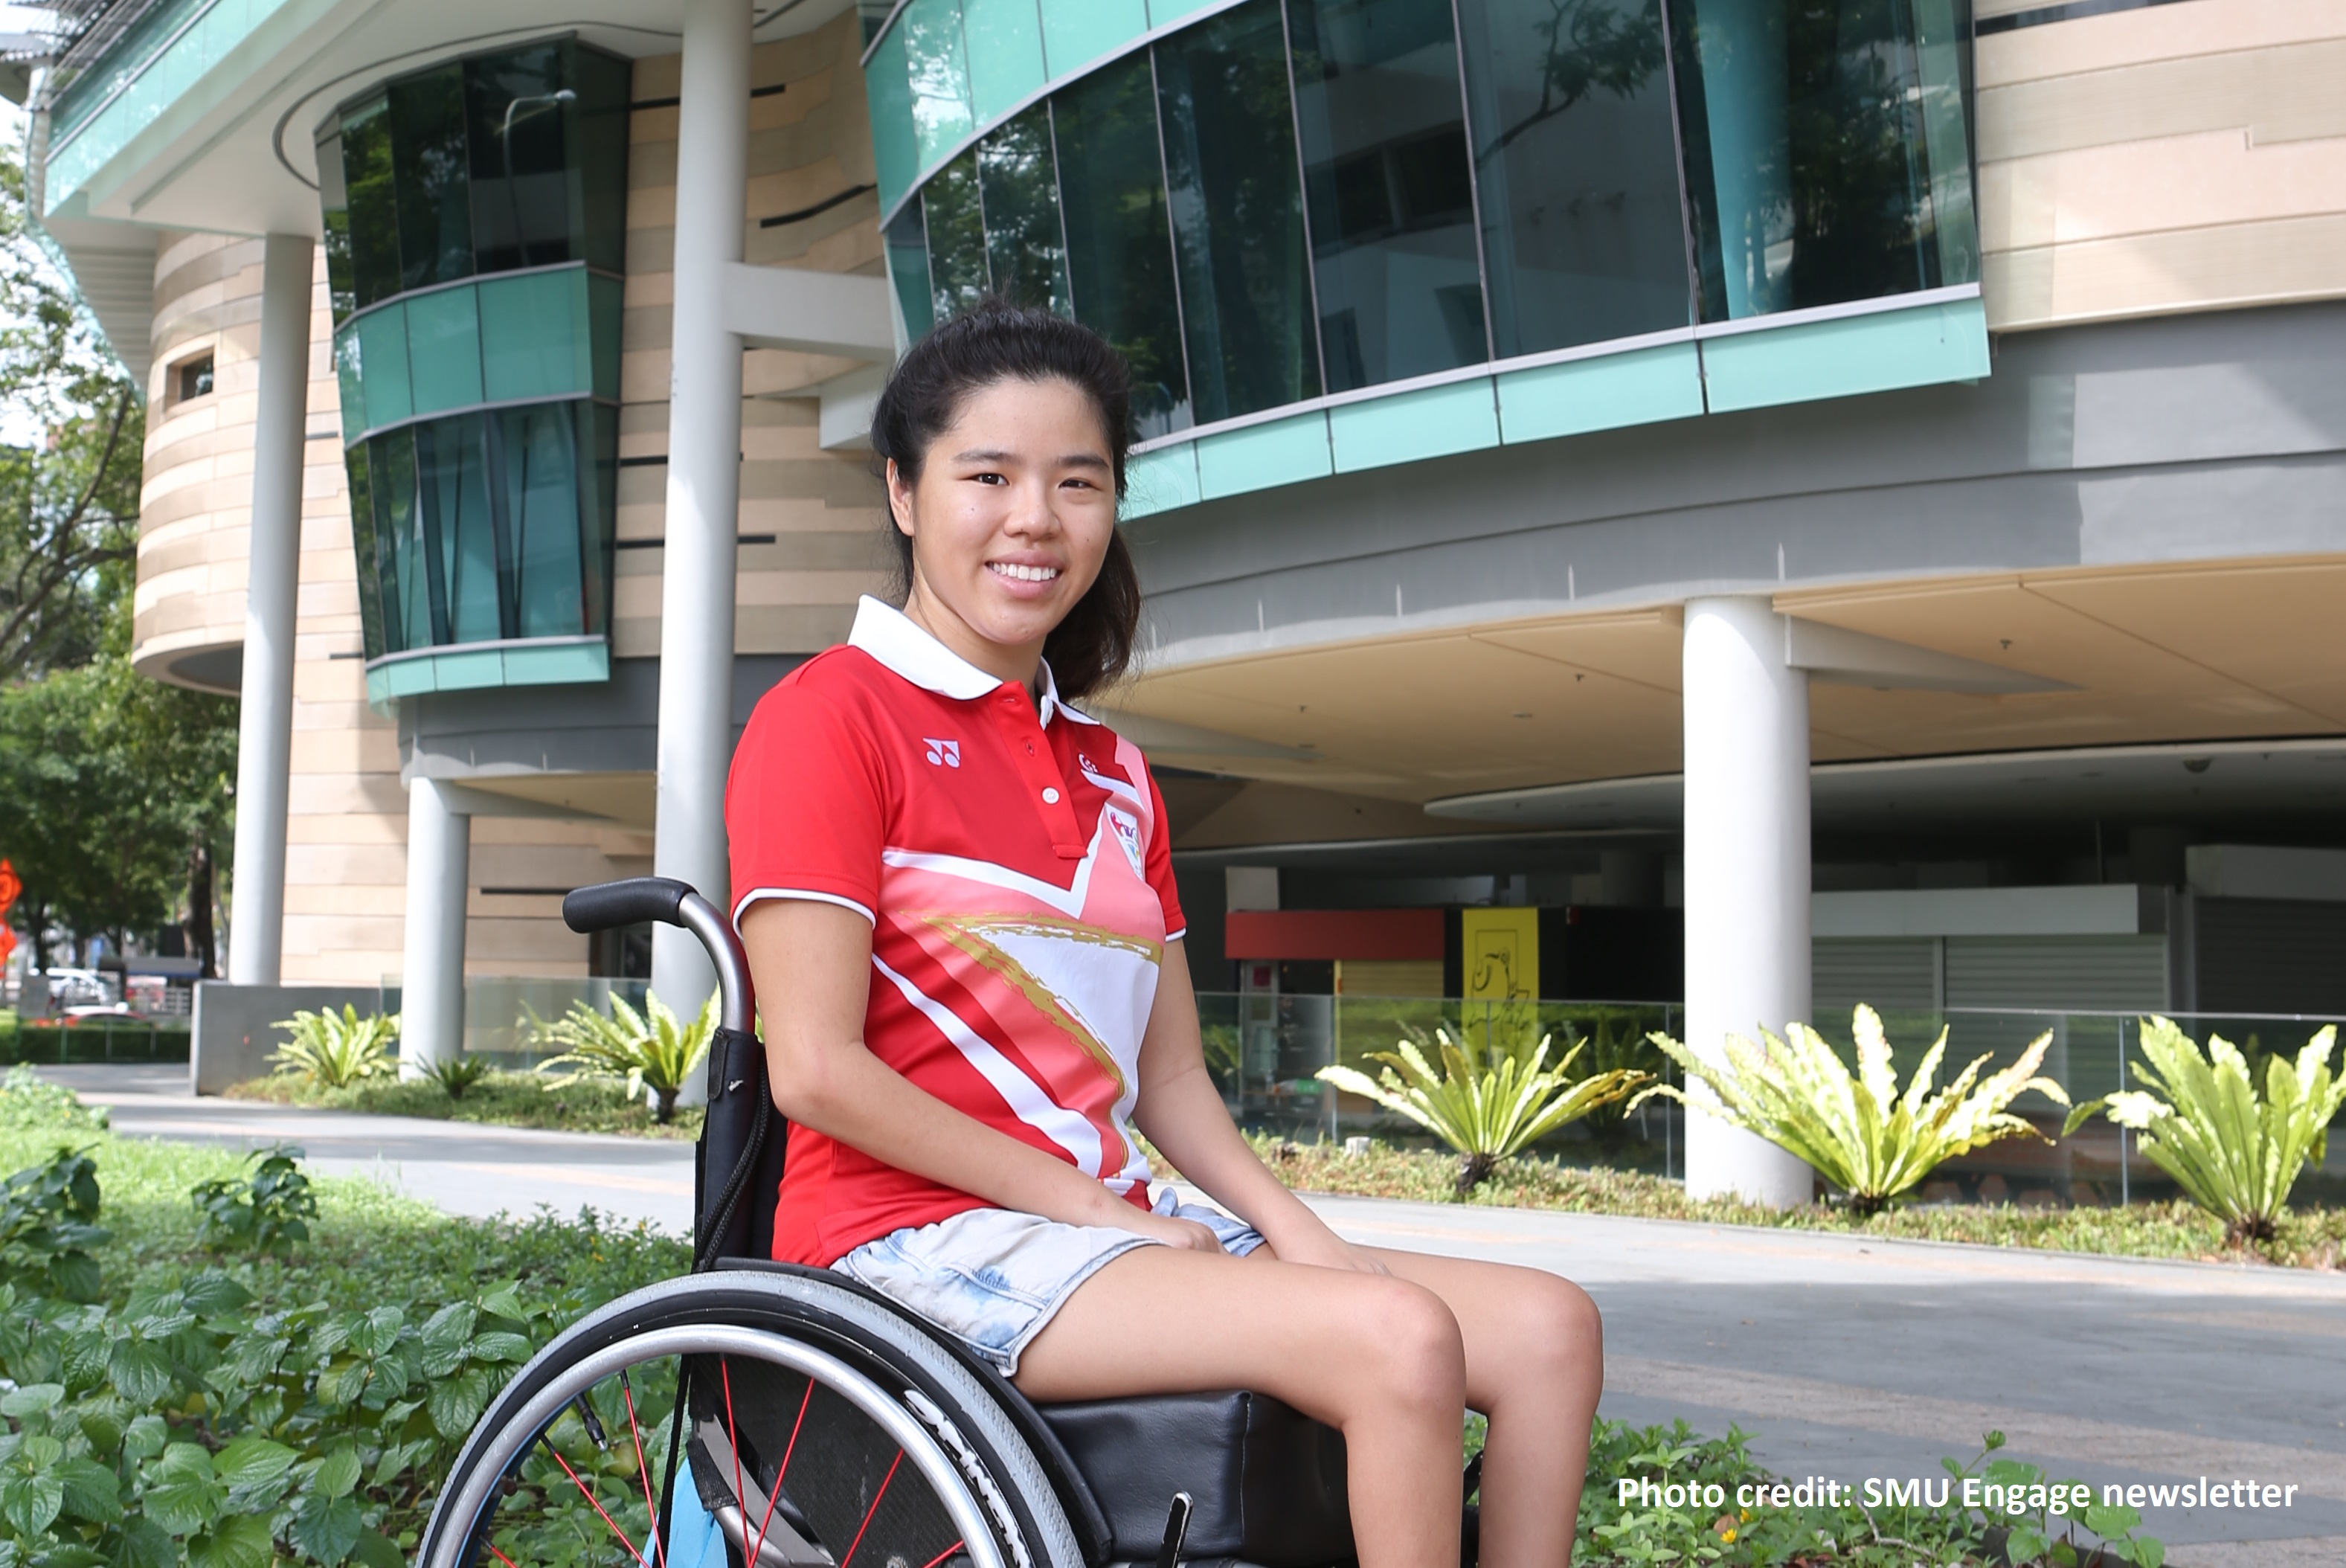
(899, 500)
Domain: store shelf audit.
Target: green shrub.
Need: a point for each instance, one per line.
(335, 1049)
(1489, 1101)
(48, 1223)
(653, 1050)
(268, 1212)
(32, 1104)
(1856, 1130)
(2234, 1153)
(454, 1075)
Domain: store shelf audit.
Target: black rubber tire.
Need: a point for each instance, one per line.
(832, 1317)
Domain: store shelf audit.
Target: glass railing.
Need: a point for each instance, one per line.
(1263, 1051)
(499, 1009)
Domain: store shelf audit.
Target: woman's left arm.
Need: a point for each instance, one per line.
(1182, 1113)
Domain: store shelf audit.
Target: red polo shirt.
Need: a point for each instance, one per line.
(1015, 870)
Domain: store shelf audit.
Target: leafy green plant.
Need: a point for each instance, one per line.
(336, 1050)
(268, 1212)
(2235, 1153)
(1856, 1130)
(454, 1075)
(1488, 1101)
(48, 1223)
(653, 1050)
(31, 1102)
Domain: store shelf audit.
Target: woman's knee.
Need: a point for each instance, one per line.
(1407, 1345)
(1556, 1334)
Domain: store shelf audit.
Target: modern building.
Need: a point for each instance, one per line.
(1869, 476)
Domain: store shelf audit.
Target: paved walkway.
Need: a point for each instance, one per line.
(1847, 1357)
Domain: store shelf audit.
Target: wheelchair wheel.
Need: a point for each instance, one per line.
(820, 1429)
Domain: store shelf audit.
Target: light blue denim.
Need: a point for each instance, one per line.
(992, 1278)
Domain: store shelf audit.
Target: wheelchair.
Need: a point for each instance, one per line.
(794, 1419)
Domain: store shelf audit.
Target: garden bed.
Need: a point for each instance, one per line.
(501, 1099)
(2310, 1238)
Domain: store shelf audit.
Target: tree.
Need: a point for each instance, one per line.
(71, 430)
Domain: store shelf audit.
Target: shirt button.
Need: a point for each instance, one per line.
(1050, 797)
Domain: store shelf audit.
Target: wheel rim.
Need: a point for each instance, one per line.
(864, 1477)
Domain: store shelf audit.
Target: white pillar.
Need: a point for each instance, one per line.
(432, 981)
(264, 740)
(1747, 869)
(704, 484)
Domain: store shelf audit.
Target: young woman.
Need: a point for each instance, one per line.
(957, 896)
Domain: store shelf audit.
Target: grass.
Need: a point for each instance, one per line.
(501, 1099)
(2308, 1239)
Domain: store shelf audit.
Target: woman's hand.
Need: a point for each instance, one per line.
(1323, 1248)
(1187, 1233)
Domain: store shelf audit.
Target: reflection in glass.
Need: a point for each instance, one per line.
(520, 175)
(1583, 233)
(427, 133)
(335, 205)
(373, 211)
(1119, 247)
(1821, 164)
(486, 526)
(1236, 210)
(937, 67)
(908, 268)
(1025, 251)
(1392, 200)
(957, 270)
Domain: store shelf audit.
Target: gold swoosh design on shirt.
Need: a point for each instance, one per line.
(973, 935)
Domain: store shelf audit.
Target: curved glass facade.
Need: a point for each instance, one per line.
(475, 233)
(1276, 201)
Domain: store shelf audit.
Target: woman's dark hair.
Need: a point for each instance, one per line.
(996, 342)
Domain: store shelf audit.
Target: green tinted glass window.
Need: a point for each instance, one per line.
(372, 204)
(383, 365)
(427, 134)
(956, 231)
(1238, 214)
(518, 121)
(461, 545)
(1119, 244)
(937, 69)
(536, 340)
(370, 555)
(895, 143)
(1810, 141)
(540, 458)
(443, 349)
(1018, 188)
(1391, 197)
(1583, 237)
(599, 128)
(406, 606)
(334, 208)
(908, 269)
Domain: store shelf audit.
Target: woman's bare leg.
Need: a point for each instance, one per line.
(1534, 1366)
(1379, 1358)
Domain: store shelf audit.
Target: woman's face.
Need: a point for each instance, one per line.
(1010, 520)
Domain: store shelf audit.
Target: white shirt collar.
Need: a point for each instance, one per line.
(890, 635)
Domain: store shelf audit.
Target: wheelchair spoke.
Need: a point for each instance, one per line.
(588, 1493)
(635, 1431)
(873, 1509)
(941, 1556)
(783, 1473)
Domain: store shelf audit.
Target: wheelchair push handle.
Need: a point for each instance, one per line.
(664, 901)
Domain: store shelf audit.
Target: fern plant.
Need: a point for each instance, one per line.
(654, 1049)
(1489, 1101)
(335, 1049)
(2235, 1153)
(1856, 1130)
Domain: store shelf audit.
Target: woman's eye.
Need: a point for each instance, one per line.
(989, 479)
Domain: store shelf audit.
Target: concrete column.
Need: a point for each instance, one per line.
(1747, 869)
(264, 741)
(432, 981)
(704, 484)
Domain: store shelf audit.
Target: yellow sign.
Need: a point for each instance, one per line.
(1499, 954)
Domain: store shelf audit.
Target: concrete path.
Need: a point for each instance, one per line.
(1847, 1358)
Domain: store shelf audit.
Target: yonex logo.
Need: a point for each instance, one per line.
(943, 753)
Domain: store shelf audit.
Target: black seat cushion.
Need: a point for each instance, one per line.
(1266, 1482)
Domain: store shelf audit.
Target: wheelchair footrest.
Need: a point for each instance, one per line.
(1266, 1482)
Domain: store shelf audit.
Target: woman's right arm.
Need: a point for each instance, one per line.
(812, 964)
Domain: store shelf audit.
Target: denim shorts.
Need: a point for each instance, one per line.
(992, 1278)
